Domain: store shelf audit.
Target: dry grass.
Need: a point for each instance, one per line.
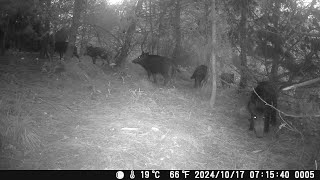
(84, 119)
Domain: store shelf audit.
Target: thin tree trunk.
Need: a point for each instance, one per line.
(163, 9)
(84, 40)
(2, 41)
(207, 4)
(243, 45)
(4, 36)
(44, 41)
(84, 30)
(208, 31)
(177, 49)
(213, 55)
(151, 27)
(277, 46)
(78, 6)
(125, 48)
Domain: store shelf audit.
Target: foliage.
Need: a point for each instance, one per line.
(282, 36)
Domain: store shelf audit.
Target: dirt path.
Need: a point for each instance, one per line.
(126, 122)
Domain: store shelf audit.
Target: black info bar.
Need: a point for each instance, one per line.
(166, 174)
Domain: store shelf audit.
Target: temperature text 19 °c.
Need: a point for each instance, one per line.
(150, 174)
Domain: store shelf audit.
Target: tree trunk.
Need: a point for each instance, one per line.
(207, 5)
(207, 24)
(151, 26)
(277, 45)
(78, 6)
(2, 41)
(213, 55)
(4, 35)
(163, 10)
(83, 40)
(177, 49)
(243, 45)
(127, 43)
(44, 40)
(84, 31)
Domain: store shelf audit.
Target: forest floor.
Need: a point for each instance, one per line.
(121, 120)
